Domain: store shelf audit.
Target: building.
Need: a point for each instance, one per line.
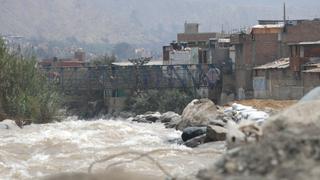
(266, 43)
(194, 47)
(77, 61)
(289, 78)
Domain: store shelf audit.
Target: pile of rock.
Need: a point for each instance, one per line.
(202, 122)
(169, 119)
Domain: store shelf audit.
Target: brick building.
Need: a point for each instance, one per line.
(289, 78)
(266, 43)
(77, 61)
(197, 47)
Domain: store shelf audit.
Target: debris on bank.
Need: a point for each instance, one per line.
(238, 112)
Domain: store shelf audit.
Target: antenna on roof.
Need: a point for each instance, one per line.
(222, 29)
(284, 13)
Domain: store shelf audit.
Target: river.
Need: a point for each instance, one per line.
(37, 151)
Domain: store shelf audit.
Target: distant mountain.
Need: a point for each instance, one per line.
(137, 21)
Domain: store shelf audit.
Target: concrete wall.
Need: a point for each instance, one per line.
(220, 55)
(310, 81)
(281, 84)
(195, 37)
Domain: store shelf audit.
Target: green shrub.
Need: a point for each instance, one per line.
(24, 91)
(162, 101)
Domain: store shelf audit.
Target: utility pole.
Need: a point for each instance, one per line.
(284, 14)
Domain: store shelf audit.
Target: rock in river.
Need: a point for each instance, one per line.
(198, 113)
(192, 132)
(8, 124)
(216, 133)
(147, 118)
(194, 142)
(170, 119)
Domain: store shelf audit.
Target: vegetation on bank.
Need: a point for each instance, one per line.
(25, 92)
(161, 101)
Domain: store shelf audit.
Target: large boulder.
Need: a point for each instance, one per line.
(295, 119)
(170, 119)
(168, 116)
(216, 133)
(198, 113)
(304, 114)
(192, 132)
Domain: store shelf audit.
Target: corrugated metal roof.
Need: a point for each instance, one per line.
(279, 64)
(127, 63)
(268, 26)
(306, 43)
(314, 70)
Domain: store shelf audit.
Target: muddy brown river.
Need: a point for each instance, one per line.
(37, 151)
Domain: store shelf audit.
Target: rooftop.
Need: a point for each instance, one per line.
(278, 64)
(314, 70)
(306, 43)
(268, 26)
(127, 63)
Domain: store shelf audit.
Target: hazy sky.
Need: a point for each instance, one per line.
(139, 21)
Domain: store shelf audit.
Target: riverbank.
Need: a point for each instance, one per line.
(288, 149)
(72, 145)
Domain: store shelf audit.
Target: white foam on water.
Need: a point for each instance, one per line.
(72, 145)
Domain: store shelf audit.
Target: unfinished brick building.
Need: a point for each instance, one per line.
(266, 43)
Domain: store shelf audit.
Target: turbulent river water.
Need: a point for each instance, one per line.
(37, 151)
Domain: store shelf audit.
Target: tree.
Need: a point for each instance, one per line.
(24, 91)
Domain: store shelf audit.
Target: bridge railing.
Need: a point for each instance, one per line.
(133, 77)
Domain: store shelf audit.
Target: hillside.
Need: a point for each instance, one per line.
(136, 21)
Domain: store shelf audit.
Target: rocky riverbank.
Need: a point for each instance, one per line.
(203, 122)
(288, 149)
(283, 146)
(255, 145)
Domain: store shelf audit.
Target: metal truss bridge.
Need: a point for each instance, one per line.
(109, 78)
